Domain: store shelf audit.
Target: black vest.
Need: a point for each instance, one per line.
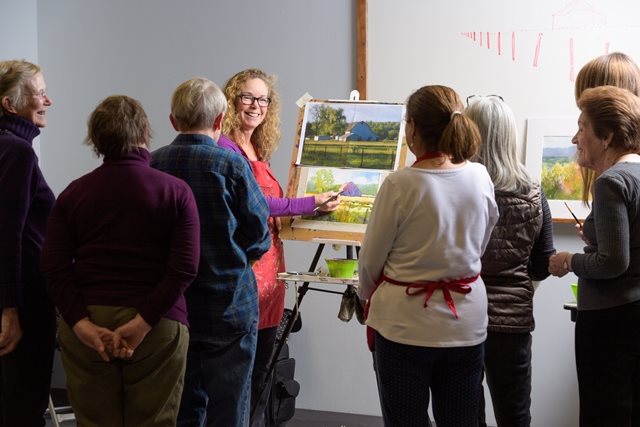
(505, 262)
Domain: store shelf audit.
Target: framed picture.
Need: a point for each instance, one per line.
(348, 145)
(550, 158)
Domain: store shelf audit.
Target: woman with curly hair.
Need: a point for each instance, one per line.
(251, 128)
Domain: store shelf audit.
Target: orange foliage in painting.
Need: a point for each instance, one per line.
(562, 181)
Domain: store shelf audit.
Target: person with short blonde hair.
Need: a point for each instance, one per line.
(196, 104)
(223, 300)
(27, 336)
(607, 342)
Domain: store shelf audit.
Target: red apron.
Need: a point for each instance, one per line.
(428, 288)
(271, 291)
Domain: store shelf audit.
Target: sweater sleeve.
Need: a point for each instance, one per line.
(379, 238)
(57, 259)
(543, 246)
(16, 193)
(284, 206)
(611, 220)
(182, 265)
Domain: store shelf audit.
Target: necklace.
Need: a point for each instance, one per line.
(428, 155)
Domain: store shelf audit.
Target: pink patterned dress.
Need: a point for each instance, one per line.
(271, 291)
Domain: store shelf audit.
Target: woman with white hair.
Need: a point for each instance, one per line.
(27, 337)
(511, 262)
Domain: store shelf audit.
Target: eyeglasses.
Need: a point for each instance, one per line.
(474, 98)
(247, 99)
(40, 94)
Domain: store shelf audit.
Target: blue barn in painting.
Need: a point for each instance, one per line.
(359, 131)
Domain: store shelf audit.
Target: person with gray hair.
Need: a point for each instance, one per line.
(222, 301)
(511, 262)
(27, 337)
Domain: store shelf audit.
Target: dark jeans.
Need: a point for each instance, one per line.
(217, 385)
(407, 375)
(264, 350)
(608, 363)
(25, 373)
(507, 364)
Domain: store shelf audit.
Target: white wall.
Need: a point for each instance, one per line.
(19, 30)
(19, 35)
(541, 47)
(145, 48)
(91, 49)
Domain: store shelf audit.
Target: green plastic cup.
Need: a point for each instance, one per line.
(342, 268)
(574, 289)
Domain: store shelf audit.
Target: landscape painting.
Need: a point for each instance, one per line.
(560, 177)
(551, 161)
(359, 189)
(351, 135)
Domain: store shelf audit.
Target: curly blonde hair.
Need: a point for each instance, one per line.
(266, 136)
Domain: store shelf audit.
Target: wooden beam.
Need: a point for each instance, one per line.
(361, 48)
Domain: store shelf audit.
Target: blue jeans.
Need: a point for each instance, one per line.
(217, 385)
(407, 375)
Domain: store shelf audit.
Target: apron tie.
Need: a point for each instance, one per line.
(456, 285)
(428, 288)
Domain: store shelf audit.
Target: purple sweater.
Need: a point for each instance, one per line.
(123, 235)
(25, 203)
(278, 206)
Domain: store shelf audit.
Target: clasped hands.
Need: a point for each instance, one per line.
(119, 343)
(560, 264)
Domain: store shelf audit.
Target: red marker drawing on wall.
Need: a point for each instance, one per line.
(572, 73)
(513, 46)
(499, 44)
(536, 55)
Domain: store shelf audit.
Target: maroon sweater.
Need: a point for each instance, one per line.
(123, 235)
(25, 203)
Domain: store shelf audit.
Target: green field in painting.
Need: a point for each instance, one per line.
(351, 154)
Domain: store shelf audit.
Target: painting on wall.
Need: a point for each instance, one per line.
(550, 158)
(348, 146)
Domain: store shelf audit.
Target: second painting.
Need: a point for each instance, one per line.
(346, 146)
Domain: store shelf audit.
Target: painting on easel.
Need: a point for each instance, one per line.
(343, 145)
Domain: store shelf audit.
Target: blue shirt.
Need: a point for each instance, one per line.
(223, 299)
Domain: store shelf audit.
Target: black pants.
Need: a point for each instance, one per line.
(264, 350)
(608, 364)
(507, 364)
(409, 375)
(25, 373)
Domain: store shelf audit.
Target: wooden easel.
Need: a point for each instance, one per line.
(301, 292)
